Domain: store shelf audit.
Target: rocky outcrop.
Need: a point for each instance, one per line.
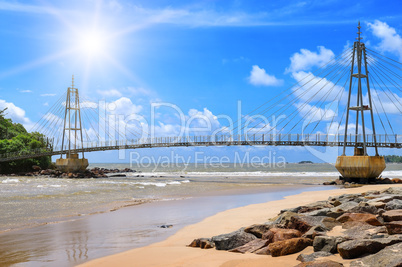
(232, 240)
(371, 223)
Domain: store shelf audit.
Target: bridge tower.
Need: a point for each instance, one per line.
(72, 134)
(360, 165)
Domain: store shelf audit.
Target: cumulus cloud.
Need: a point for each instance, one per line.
(307, 59)
(316, 89)
(124, 106)
(259, 76)
(15, 113)
(391, 41)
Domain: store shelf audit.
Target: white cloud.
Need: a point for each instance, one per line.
(259, 76)
(391, 41)
(124, 106)
(15, 113)
(47, 94)
(110, 93)
(26, 91)
(307, 59)
(312, 114)
(316, 89)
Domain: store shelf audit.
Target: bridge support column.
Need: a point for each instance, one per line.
(72, 164)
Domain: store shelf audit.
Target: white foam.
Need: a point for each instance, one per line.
(10, 180)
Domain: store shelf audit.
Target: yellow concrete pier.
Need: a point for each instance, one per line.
(72, 164)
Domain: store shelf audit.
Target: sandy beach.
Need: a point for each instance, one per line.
(173, 251)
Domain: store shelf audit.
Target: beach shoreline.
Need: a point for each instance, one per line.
(174, 251)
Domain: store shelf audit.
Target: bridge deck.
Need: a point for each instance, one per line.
(383, 141)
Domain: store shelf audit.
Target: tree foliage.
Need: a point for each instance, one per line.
(15, 138)
(393, 159)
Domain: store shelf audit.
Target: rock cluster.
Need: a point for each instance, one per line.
(356, 182)
(368, 228)
(92, 173)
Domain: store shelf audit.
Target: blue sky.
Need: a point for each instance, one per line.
(202, 56)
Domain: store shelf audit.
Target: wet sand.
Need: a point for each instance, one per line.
(173, 250)
(80, 240)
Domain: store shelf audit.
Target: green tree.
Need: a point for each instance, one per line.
(15, 138)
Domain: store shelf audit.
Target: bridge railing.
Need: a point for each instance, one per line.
(383, 140)
(252, 139)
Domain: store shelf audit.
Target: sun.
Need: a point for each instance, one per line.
(93, 43)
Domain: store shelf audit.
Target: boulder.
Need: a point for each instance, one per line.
(394, 204)
(392, 215)
(359, 218)
(320, 263)
(313, 256)
(356, 248)
(204, 243)
(320, 212)
(289, 246)
(377, 204)
(364, 231)
(262, 251)
(394, 228)
(314, 231)
(251, 246)
(279, 234)
(363, 207)
(232, 240)
(258, 229)
(389, 256)
(327, 243)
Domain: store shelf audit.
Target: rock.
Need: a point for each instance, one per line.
(258, 229)
(289, 246)
(36, 168)
(360, 218)
(204, 243)
(363, 207)
(262, 251)
(397, 181)
(394, 204)
(327, 243)
(166, 226)
(392, 215)
(320, 263)
(279, 234)
(251, 246)
(118, 175)
(283, 218)
(389, 257)
(320, 212)
(303, 223)
(314, 231)
(394, 227)
(232, 240)
(364, 231)
(356, 248)
(344, 206)
(377, 204)
(313, 256)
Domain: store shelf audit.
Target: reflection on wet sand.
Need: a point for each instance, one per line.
(73, 242)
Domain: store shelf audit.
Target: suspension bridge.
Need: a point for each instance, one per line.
(318, 112)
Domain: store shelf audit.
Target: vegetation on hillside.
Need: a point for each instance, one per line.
(393, 159)
(14, 137)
